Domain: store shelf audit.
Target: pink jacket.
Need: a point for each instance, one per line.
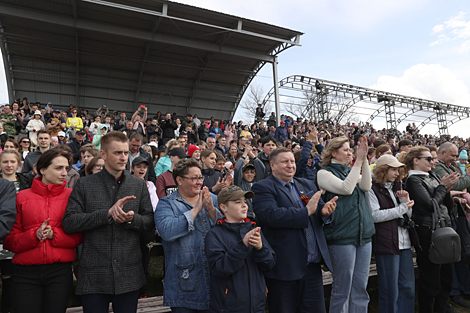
(141, 122)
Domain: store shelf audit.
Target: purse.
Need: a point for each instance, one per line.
(445, 242)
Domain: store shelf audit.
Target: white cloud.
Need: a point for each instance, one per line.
(428, 81)
(457, 28)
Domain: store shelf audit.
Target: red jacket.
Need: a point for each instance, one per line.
(33, 207)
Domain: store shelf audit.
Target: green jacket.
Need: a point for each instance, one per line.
(442, 169)
(352, 223)
(9, 126)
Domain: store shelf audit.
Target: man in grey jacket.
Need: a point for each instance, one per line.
(111, 208)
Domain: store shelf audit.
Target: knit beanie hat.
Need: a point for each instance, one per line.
(463, 155)
(191, 149)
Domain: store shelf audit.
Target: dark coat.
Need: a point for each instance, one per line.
(422, 188)
(281, 134)
(211, 176)
(284, 222)
(150, 169)
(75, 146)
(111, 261)
(237, 280)
(7, 207)
(168, 127)
(30, 160)
(267, 165)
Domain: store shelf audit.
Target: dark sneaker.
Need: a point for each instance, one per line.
(459, 300)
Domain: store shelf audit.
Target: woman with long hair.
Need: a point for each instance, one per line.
(391, 244)
(94, 166)
(25, 147)
(349, 235)
(423, 185)
(232, 154)
(44, 253)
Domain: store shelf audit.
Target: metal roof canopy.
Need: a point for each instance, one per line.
(125, 53)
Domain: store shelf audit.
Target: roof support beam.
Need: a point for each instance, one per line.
(6, 63)
(77, 56)
(65, 21)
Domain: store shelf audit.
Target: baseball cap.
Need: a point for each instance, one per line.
(189, 114)
(61, 133)
(282, 122)
(179, 152)
(80, 132)
(389, 160)
(139, 160)
(247, 165)
(103, 126)
(233, 193)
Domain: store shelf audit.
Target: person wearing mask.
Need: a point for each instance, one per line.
(291, 212)
(44, 144)
(165, 183)
(349, 235)
(112, 223)
(183, 219)
(43, 251)
(423, 185)
(391, 244)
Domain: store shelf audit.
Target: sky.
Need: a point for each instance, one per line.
(417, 48)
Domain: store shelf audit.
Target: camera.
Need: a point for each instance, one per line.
(406, 223)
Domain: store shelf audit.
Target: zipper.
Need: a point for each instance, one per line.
(225, 297)
(44, 242)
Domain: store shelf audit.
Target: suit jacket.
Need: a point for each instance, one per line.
(283, 222)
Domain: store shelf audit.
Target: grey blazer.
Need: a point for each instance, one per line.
(111, 259)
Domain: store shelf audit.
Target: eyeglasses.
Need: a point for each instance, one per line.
(195, 179)
(26, 142)
(429, 159)
(99, 166)
(74, 112)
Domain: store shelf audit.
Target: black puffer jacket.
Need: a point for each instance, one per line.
(422, 188)
(211, 176)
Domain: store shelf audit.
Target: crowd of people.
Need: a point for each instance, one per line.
(248, 215)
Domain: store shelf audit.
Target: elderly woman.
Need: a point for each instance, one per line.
(183, 219)
(435, 280)
(391, 209)
(349, 235)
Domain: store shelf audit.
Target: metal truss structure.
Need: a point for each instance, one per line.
(443, 113)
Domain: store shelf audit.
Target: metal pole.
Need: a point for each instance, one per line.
(276, 93)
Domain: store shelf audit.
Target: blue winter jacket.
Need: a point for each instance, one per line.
(281, 134)
(237, 280)
(186, 282)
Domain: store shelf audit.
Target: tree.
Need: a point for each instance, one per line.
(254, 97)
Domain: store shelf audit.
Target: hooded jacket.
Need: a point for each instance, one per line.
(34, 206)
(237, 281)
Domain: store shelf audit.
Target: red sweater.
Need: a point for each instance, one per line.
(33, 207)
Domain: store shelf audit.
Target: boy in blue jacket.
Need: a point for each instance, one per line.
(238, 254)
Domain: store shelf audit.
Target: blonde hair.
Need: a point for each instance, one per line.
(170, 144)
(333, 145)
(380, 172)
(14, 152)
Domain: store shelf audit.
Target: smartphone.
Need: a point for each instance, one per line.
(142, 106)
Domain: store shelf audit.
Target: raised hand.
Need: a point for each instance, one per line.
(313, 203)
(402, 194)
(118, 214)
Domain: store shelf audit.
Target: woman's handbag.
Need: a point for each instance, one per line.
(445, 242)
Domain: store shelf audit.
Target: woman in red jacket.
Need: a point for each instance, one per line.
(43, 251)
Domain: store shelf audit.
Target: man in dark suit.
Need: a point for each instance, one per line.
(292, 224)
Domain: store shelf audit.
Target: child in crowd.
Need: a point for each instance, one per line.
(247, 173)
(220, 163)
(213, 179)
(238, 254)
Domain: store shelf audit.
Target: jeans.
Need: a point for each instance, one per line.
(351, 265)
(297, 296)
(461, 281)
(42, 288)
(396, 282)
(99, 303)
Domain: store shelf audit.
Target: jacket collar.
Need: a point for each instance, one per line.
(52, 189)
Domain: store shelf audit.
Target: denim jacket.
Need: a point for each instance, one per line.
(186, 282)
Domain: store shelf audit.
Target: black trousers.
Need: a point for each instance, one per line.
(42, 288)
(99, 303)
(435, 281)
(297, 296)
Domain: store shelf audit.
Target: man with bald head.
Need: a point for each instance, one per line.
(446, 154)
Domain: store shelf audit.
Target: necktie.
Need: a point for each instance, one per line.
(309, 230)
